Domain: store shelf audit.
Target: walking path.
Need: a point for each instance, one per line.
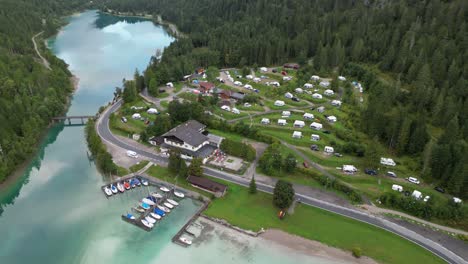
(44, 61)
(157, 101)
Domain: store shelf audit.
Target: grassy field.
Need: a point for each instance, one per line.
(139, 166)
(256, 211)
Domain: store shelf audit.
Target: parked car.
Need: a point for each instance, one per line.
(326, 132)
(274, 70)
(391, 174)
(371, 172)
(314, 147)
(339, 155)
(414, 180)
(295, 99)
(162, 91)
(305, 165)
(439, 189)
(124, 119)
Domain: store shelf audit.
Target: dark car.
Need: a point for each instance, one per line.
(339, 155)
(124, 119)
(162, 91)
(314, 147)
(439, 189)
(371, 172)
(326, 132)
(295, 99)
(274, 70)
(305, 165)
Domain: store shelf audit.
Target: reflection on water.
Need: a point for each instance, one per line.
(104, 20)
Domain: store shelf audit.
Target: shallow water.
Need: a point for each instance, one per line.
(56, 213)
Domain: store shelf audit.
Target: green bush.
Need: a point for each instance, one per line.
(238, 149)
(357, 252)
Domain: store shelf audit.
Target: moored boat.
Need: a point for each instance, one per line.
(147, 201)
(159, 212)
(150, 220)
(145, 206)
(130, 216)
(133, 183)
(179, 194)
(144, 182)
(151, 198)
(155, 216)
(156, 195)
(107, 191)
(146, 223)
(185, 240)
(167, 210)
(172, 202)
(137, 182)
(127, 185)
(168, 205)
(138, 209)
(113, 188)
(164, 189)
(120, 187)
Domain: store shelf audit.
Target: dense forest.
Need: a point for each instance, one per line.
(412, 57)
(30, 94)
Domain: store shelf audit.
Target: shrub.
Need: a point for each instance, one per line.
(357, 252)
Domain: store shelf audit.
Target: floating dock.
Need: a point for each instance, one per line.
(183, 230)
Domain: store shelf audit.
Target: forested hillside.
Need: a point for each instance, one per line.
(412, 57)
(30, 94)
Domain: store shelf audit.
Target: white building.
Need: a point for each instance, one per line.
(316, 126)
(416, 194)
(331, 119)
(286, 114)
(299, 123)
(315, 78)
(226, 108)
(152, 111)
(341, 78)
(265, 121)
(349, 169)
(397, 188)
(299, 90)
(279, 103)
(387, 161)
(288, 95)
(136, 116)
(282, 122)
(308, 116)
(325, 84)
(328, 92)
(317, 96)
(328, 149)
(308, 85)
(314, 137)
(297, 134)
(336, 102)
(263, 69)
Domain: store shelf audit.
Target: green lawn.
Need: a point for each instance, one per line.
(256, 211)
(139, 166)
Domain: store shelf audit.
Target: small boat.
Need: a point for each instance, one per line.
(145, 206)
(137, 182)
(107, 191)
(172, 202)
(151, 198)
(179, 194)
(150, 220)
(156, 195)
(168, 205)
(133, 183)
(167, 210)
(130, 216)
(159, 212)
(146, 223)
(127, 185)
(164, 189)
(113, 188)
(120, 187)
(144, 182)
(138, 209)
(155, 216)
(185, 240)
(148, 201)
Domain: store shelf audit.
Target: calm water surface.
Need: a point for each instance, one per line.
(56, 213)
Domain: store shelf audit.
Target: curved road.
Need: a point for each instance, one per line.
(439, 250)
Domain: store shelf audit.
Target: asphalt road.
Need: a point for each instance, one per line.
(433, 246)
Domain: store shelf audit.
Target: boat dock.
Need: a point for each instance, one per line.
(184, 229)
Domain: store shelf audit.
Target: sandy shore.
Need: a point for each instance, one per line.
(312, 248)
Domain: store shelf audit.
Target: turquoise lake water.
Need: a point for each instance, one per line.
(56, 213)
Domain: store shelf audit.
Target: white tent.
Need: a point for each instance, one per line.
(282, 122)
(314, 137)
(317, 96)
(152, 111)
(298, 90)
(265, 121)
(328, 92)
(308, 116)
(308, 86)
(329, 149)
(279, 103)
(286, 114)
(316, 126)
(397, 187)
(297, 134)
(136, 116)
(288, 95)
(325, 84)
(299, 123)
(315, 78)
(416, 194)
(331, 119)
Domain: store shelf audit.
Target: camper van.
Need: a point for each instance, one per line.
(132, 154)
(397, 188)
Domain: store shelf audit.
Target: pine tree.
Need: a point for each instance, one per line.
(253, 186)
(195, 167)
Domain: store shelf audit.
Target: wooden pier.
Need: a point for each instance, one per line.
(175, 239)
(83, 119)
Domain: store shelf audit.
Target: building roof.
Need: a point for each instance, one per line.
(206, 85)
(189, 132)
(207, 184)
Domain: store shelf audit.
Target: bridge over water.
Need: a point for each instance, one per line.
(83, 119)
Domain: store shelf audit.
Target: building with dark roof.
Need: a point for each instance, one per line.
(207, 185)
(206, 87)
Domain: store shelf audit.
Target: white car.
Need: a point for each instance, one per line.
(414, 180)
(132, 154)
